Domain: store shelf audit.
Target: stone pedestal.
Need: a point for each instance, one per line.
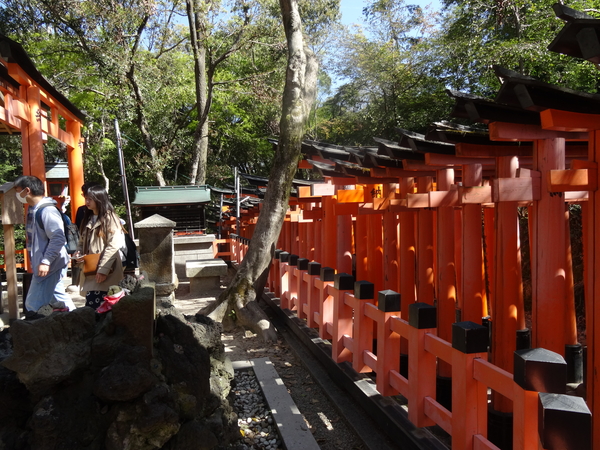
(157, 257)
(205, 274)
(192, 248)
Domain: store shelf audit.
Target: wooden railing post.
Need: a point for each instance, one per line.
(422, 371)
(468, 418)
(301, 288)
(325, 301)
(364, 292)
(284, 286)
(565, 422)
(536, 370)
(293, 282)
(274, 278)
(342, 317)
(388, 342)
(312, 294)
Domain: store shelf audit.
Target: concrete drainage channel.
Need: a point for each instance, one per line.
(287, 419)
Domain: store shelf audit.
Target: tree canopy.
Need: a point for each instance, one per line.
(196, 85)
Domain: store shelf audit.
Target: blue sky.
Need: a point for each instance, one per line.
(352, 9)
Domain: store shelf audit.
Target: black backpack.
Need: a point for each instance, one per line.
(131, 256)
(71, 230)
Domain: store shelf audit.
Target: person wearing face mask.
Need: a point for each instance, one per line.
(45, 246)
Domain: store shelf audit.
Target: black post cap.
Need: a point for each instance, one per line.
(327, 274)
(523, 339)
(388, 301)
(284, 257)
(277, 253)
(469, 337)
(538, 369)
(422, 316)
(564, 420)
(343, 282)
(314, 268)
(302, 263)
(364, 290)
(294, 260)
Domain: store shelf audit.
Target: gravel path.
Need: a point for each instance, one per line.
(328, 427)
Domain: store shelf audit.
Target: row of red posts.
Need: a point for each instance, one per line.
(417, 249)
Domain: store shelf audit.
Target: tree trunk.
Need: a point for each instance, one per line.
(142, 124)
(200, 144)
(237, 306)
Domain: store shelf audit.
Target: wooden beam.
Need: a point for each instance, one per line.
(450, 160)
(401, 173)
(351, 195)
(322, 189)
(515, 189)
(468, 195)
(418, 165)
(485, 151)
(420, 200)
(572, 180)
(503, 131)
(443, 198)
(553, 119)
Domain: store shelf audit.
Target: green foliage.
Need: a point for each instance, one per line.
(386, 78)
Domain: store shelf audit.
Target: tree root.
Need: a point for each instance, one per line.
(236, 308)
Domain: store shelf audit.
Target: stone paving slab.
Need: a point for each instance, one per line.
(291, 425)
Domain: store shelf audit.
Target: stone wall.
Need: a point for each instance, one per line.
(85, 380)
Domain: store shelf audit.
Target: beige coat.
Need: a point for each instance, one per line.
(109, 245)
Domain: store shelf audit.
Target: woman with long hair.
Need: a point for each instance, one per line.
(100, 233)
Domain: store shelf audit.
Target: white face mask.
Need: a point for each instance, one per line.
(21, 199)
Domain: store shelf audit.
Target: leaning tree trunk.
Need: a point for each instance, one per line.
(196, 21)
(237, 306)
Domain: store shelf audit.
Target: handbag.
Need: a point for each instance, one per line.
(90, 263)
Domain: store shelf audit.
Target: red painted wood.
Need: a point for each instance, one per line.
(425, 248)
(507, 310)
(473, 297)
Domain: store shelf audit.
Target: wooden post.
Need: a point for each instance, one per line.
(329, 228)
(388, 342)
(75, 162)
(469, 341)
(489, 227)
(323, 284)
(407, 252)
(473, 297)
(508, 314)
(421, 373)
(425, 250)
(361, 245)
(342, 317)
(446, 275)
(33, 131)
(592, 278)
(312, 294)
(391, 243)
(548, 249)
(364, 293)
(12, 214)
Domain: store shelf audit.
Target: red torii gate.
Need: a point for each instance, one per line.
(31, 107)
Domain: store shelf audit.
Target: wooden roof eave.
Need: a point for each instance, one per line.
(534, 95)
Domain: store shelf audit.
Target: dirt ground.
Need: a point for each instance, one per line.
(326, 424)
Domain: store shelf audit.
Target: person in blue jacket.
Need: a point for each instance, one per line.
(46, 247)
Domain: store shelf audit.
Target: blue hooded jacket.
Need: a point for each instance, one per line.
(47, 246)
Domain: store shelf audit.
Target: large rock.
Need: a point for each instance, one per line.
(148, 424)
(50, 351)
(82, 380)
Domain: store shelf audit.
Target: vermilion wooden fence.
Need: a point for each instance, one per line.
(348, 315)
